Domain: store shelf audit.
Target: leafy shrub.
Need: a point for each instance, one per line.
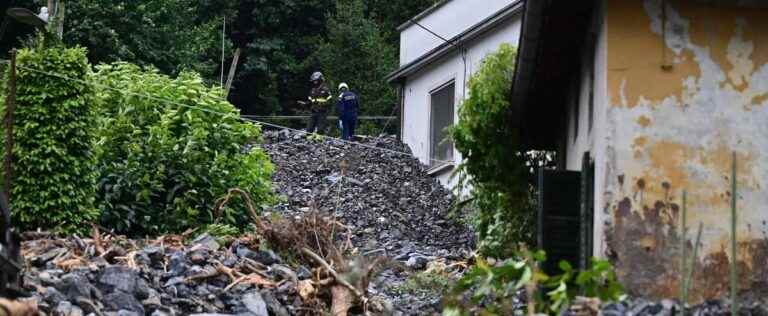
(426, 282)
(54, 170)
(162, 166)
(493, 165)
(487, 289)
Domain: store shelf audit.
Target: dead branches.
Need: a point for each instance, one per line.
(335, 274)
(222, 202)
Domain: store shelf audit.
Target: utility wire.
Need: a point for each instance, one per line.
(433, 33)
(224, 114)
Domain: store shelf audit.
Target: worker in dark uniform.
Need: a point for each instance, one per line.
(319, 101)
(348, 106)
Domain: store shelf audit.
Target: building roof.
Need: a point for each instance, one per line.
(548, 56)
(421, 15)
(456, 42)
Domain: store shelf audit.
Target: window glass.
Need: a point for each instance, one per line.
(442, 104)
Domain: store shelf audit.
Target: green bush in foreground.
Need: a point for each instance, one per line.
(163, 166)
(488, 289)
(54, 174)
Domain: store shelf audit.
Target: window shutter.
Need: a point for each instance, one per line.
(559, 229)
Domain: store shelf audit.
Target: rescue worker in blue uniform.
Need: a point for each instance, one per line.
(348, 106)
(319, 101)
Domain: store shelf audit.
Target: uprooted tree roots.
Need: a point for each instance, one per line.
(325, 243)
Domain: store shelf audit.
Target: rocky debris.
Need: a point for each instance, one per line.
(385, 205)
(163, 277)
(666, 307)
(387, 199)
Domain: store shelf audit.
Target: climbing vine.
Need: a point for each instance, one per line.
(493, 166)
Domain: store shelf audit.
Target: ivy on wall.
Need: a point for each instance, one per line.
(493, 165)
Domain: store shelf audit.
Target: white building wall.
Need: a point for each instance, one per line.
(592, 140)
(600, 136)
(448, 21)
(416, 112)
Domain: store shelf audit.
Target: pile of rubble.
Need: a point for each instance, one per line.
(376, 188)
(118, 276)
(667, 307)
(355, 221)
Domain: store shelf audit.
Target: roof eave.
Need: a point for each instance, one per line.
(468, 35)
(421, 15)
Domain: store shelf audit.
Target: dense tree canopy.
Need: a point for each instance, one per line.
(282, 42)
(357, 53)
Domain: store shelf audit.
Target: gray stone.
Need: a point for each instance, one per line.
(154, 253)
(123, 301)
(77, 285)
(47, 256)
(89, 306)
(158, 312)
(303, 273)
(265, 257)
(273, 305)
(174, 280)
(268, 257)
(52, 296)
(178, 264)
(207, 241)
(285, 272)
(417, 262)
(123, 312)
(255, 304)
(118, 278)
(142, 290)
(47, 278)
(66, 308)
(152, 302)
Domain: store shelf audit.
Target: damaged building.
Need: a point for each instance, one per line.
(643, 100)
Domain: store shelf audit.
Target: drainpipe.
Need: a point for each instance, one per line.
(400, 109)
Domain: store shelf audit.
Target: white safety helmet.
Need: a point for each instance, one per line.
(316, 76)
(343, 86)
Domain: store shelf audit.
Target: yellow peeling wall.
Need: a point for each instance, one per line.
(675, 129)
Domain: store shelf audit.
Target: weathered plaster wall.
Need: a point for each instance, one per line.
(670, 130)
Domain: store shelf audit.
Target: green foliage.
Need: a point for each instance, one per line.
(357, 53)
(54, 174)
(426, 281)
(487, 289)
(279, 42)
(170, 35)
(221, 231)
(163, 166)
(492, 163)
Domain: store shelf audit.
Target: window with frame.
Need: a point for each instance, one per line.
(441, 118)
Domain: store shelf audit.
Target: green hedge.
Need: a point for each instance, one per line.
(163, 166)
(54, 175)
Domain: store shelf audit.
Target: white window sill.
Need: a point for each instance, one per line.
(440, 169)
